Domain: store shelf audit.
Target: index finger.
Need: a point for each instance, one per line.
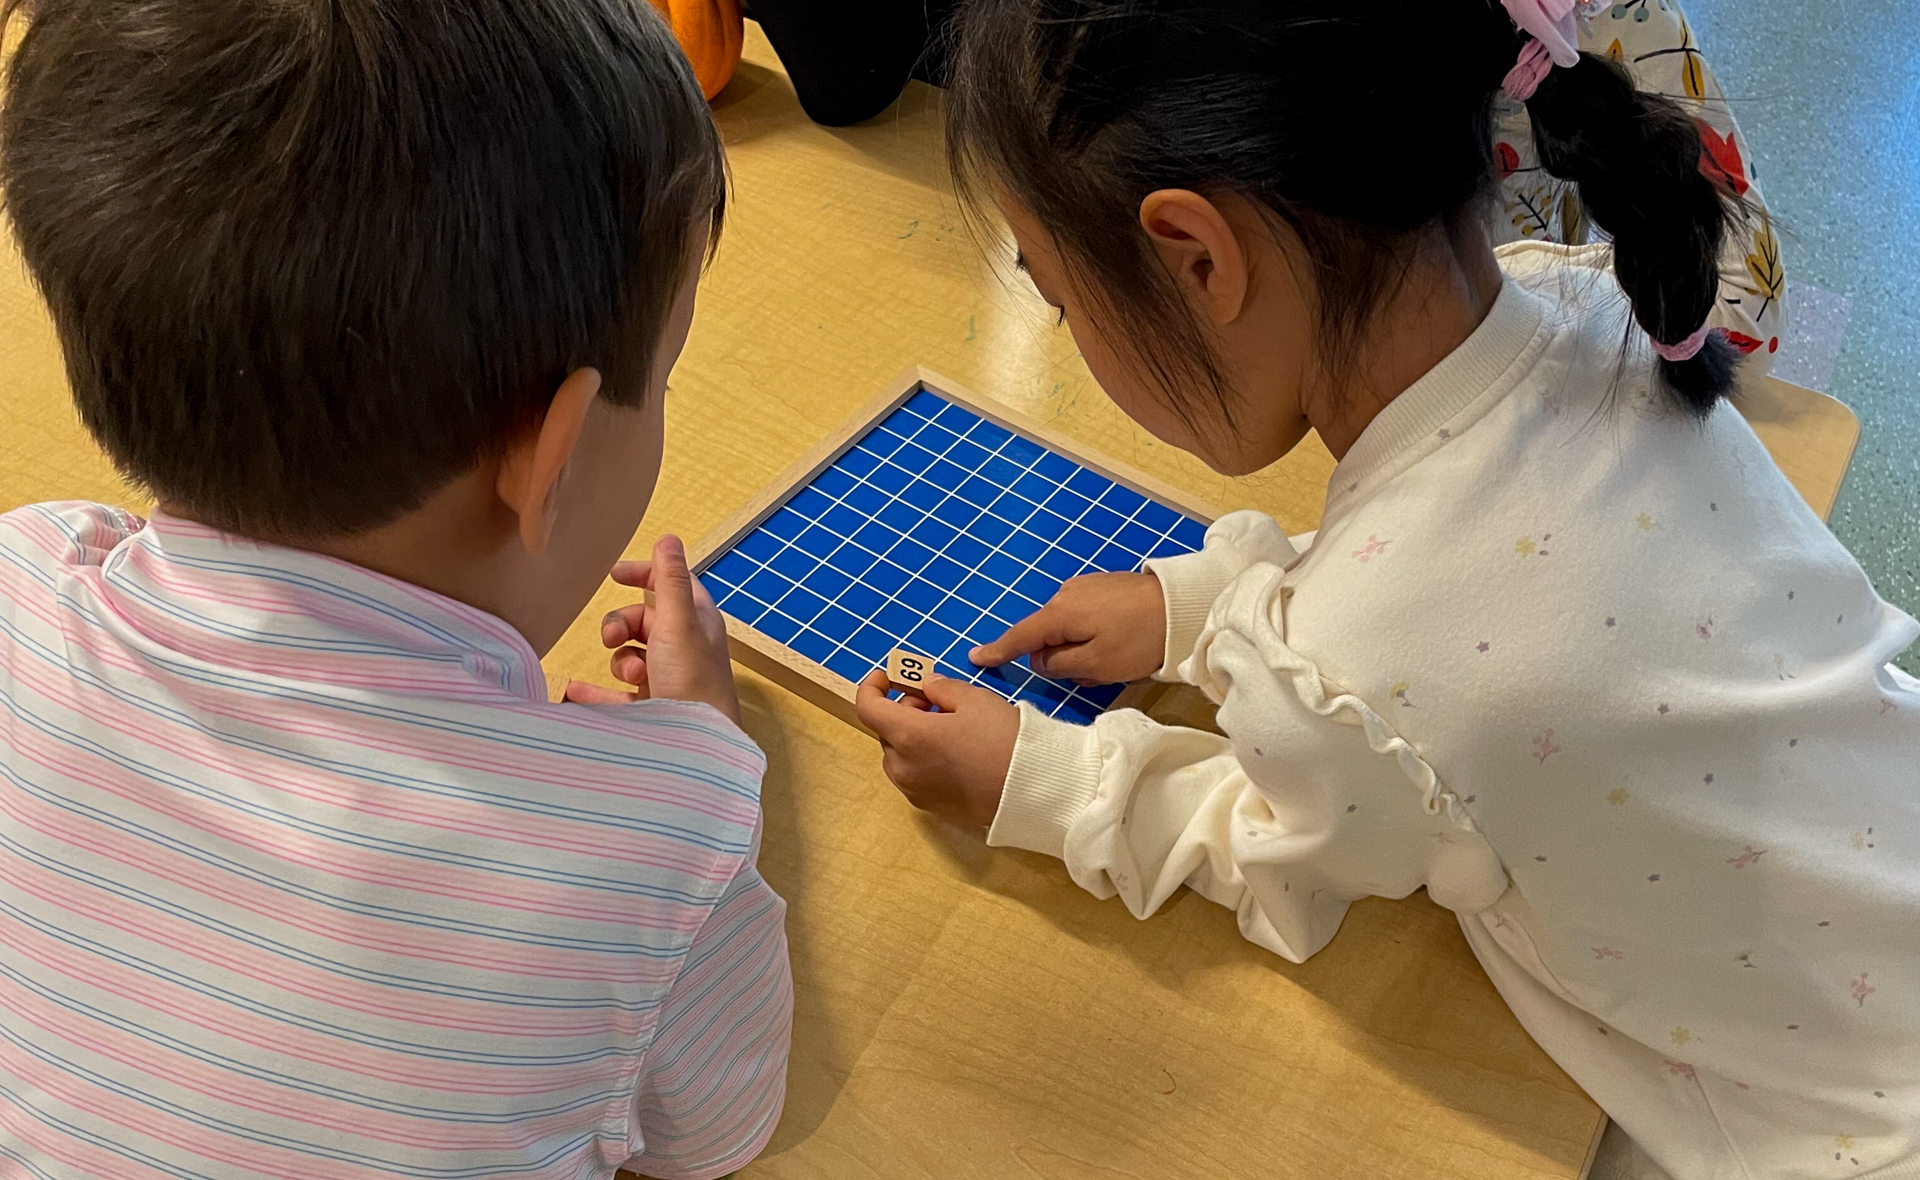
(633, 573)
(1038, 630)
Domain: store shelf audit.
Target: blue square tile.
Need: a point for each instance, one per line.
(1123, 500)
(978, 492)
(857, 463)
(836, 624)
(934, 533)
(931, 638)
(1023, 546)
(968, 455)
(828, 583)
(880, 442)
(1037, 586)
(1035, 487)
(1002, 569)
(1013, 508)
(1115, 559)
(1047, 525)
(918, 494)
(719, 591)
(801, 603)
(896, 619)
(793, 564)
(1136, 538)
(1023, 451)
(866, 499)
(733, 569)
(876, 537)
(759, 545)
(1059, 564)
(843, 521)
(911, 458)
(1088, 483)
(990, 529)
(809, 503)
(968, 551)
(834, 482)
(852, 560)
(818, 541)
(1082, 543)
(1044, 693)
(936, 438)
(924, 404)
(1157, 517)
(989, 434)
(946, 476)
(887, 578)
(1075, 710)
(767, 587)
(945, 572)
(786, 524)
(981, 592)
(955, 418)
(872, 645)
(1168, 547)
(1101, 521)
(1070, 505)
(999, 472)
(957, 615)
(812, 645)
(776, 626)
(1057, 468)
(921, 595)
(910, 555)
(849, 665)
(861, 599)
(957, 512)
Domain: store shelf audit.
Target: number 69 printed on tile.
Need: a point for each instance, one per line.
(926, 525)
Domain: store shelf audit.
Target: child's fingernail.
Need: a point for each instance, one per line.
(613, 629)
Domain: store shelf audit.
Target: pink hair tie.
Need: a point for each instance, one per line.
(1524, 78)
(1555, 41)
(1686, 349)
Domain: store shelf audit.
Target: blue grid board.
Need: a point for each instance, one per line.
(936, 531)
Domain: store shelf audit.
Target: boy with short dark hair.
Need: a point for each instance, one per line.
(300, 872)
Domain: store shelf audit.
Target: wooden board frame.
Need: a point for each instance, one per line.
(816, 683)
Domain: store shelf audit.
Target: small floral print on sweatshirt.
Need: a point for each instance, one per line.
(1618, 796)
(1372, 549)
(1680, 1069)
(1887, 706)
(1750, 856)
(1863, 840)
(1400, 691)
(1860, 990)
(1528, 547)
(1646, 522)
(1543, 747)
(1606, 952)
(1680, 1035)
(1704, 630)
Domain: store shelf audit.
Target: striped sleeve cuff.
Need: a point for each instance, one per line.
(1054, 776)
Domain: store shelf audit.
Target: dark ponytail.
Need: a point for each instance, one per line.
(1360, 127)
(1636, 159)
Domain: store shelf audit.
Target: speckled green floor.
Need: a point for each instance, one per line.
(1828, 94)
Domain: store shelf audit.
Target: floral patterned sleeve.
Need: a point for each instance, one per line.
(1654, 41)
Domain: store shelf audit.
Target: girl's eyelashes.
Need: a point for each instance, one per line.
(1061, 318)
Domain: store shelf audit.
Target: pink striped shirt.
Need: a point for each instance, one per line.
(301, 876)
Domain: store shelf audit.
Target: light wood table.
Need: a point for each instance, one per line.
(963, 1012)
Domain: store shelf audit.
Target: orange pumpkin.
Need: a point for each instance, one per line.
(709, 32)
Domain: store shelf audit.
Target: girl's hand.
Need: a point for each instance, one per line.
(953, 762)
(1098, 629)
(684, 657)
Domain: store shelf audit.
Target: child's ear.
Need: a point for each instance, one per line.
(1199, 248)
(534, 463)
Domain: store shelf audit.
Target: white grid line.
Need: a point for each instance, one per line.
(919, 436)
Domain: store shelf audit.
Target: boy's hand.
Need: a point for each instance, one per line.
(1097, 629)
(684, 637)
(953, 762)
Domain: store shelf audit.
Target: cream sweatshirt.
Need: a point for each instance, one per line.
(1592, 674)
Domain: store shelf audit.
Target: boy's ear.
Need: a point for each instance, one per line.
(535, 463)
(1199, 248)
